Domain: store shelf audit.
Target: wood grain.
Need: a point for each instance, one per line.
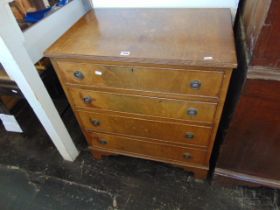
(154, 150)
(172, 132)
(266, 52)
(253, 14)
(256, 125)
(142, 99)
(229, 178)
(155, 36)
(160, 107)
(143, 78)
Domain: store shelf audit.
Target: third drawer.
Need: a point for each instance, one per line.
(167, 131)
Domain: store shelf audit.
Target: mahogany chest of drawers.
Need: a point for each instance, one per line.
(149, 83)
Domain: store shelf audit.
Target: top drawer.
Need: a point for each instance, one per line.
(191, 82)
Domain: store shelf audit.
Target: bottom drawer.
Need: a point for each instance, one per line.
(151, 150)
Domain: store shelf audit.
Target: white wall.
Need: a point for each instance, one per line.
(232, 4)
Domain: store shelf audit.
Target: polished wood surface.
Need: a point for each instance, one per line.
(172, 132)
(253, 14)
(156, 150)
(176, 81)
(160, 107)
(228, 178)
(250, 150)
(163, 97)
(266, 52)
(193, 37)
(256, 125)
(261, 28)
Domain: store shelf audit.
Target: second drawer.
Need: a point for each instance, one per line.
(152, 106)
(172, 132)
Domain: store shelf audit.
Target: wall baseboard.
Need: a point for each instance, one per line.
(266, 73)
(229, 177)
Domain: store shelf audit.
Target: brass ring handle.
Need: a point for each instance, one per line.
(87, 99)
(95, 122)
(195, 84)
(192, 112)
(103, 141)
(187, 156)
(189, 135)
(79, 75)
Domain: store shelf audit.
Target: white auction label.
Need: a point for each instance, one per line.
(125, 53)
(208, 58)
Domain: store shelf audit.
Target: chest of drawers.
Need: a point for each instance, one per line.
(148, 83)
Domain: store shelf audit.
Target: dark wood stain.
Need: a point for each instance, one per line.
(267, 48)
(252, 142)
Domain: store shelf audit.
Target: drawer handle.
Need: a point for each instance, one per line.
(195, 84)
(95, 122)
(189, 135)
(87, 99)
(103, 141)
(187, 156)
(192, 112)
(79, 75)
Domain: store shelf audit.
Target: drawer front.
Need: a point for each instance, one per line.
(172, 132)
(149, 149)
(191, 82)
(178, 109)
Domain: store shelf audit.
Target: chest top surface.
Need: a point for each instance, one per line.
(191, 37)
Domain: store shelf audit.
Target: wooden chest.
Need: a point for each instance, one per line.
(149, 83)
